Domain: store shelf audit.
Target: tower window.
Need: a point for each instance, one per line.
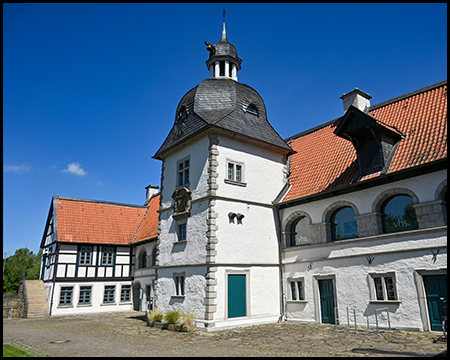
(222, 68)
(252, 109)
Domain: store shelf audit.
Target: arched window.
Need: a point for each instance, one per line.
(343, 224)
(252, 109)
(399, 214)
(142, 260)
(300, 233)
(154, 256)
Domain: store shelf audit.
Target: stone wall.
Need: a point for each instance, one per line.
(17, 302)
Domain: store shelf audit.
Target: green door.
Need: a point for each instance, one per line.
(435, 288)
(237, 304)
(326, 301)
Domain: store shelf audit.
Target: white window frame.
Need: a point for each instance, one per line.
(184, 171)
(382, 281)
(179, 280)
(232, 178)
(299, 289)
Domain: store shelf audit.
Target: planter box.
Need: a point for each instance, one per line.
(164, 326)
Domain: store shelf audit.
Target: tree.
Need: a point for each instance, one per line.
(22, 260)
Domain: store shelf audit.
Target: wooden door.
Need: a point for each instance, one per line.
(327, 301)
(237, 302)
(435, 288)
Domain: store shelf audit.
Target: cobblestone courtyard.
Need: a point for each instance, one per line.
(127, 334)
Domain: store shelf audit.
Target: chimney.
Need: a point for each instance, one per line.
(151, 190)
(357, 98)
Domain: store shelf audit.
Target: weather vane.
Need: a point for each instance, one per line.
(223, 14)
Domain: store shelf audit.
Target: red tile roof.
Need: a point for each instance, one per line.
(87, 221)
(324, 161)
(149, 227)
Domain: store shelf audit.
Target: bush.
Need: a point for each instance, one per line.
(155, 315)
(189, 320)
(172, 316)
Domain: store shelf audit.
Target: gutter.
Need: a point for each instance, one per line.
(280, 263)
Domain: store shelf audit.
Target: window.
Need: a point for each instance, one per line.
(125, 293)
(235, 173)
(154, 256)
(85, 255)
(252, 109)
(183, 172)
(108, 296)
(85, 295)
(182, 232)
(399, 214)
(300, 233)
(384, 287)
(65, 297)
(108, 256)
(343, 224)
(297, 289)
(179, 284)
(142, 260)
(222, 68)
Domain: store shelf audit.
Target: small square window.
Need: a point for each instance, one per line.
(179, 284)
(108, 256)
(125, 293)
(85, 295)
(65, 297)
(108, 295)
(85, 255)
(182, 232)
(235, 173)
(384, 287)
(297, 289)
(183, 173)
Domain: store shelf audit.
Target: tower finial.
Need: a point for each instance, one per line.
(224, 33)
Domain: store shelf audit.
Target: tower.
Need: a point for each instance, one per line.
(223, 165)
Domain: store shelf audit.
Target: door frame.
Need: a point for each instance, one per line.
(247, 291)
(316, 291)
(422, 295)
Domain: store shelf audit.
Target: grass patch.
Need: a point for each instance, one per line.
(11, 351)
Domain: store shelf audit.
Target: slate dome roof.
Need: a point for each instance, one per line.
(222, 103)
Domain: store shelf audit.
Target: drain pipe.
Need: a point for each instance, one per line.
(280, 261)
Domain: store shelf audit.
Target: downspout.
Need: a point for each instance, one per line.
(280, 262)
(55, 267)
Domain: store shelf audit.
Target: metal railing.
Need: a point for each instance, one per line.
(354, 328)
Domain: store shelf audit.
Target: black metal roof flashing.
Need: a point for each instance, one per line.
(221, 103)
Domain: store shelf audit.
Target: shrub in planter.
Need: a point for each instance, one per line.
(156, 315)
(189, 320)
(172, 317)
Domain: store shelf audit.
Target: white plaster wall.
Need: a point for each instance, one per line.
(198, 152)
(263, 171)
(191, 251)
(252, 242)
(263, 295)
(96, 299)
(194, 289)
(352, 286)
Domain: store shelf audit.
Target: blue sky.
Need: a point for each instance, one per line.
(90, 90)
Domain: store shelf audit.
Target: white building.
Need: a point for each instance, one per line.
(249, 228)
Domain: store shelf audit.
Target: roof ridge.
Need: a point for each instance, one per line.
(140, 225)
(57, 197)
(407, 95)
(316, 128)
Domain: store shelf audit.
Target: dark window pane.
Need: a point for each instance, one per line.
(300, 234)
(399, 214)
(344, 224)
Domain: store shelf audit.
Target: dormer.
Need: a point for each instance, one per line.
(375, 143)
